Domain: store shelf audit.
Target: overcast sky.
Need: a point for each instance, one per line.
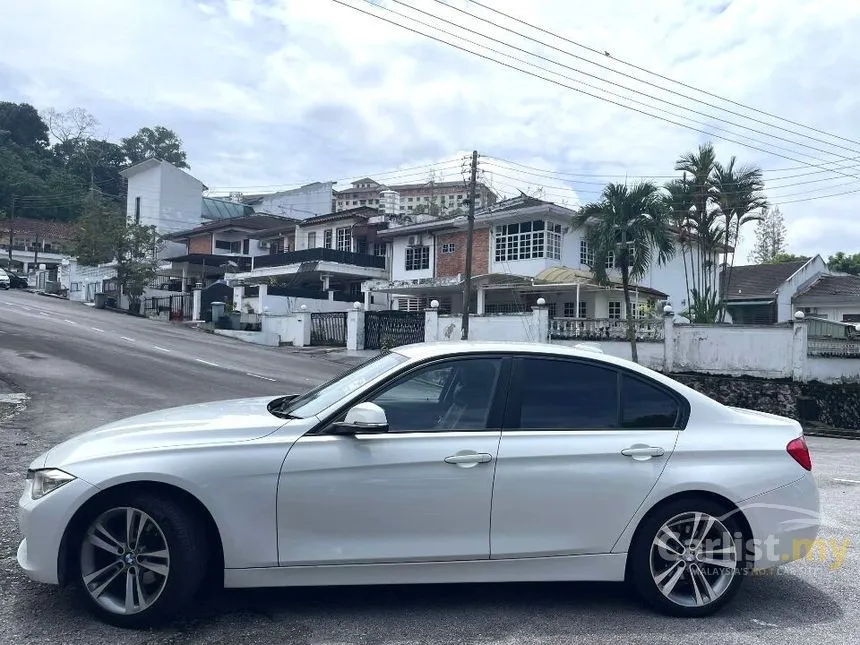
(283, 92)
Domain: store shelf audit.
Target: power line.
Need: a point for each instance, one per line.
(627, 107)
(661, 76)
(612, 83)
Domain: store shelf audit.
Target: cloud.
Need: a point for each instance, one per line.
(279, 92)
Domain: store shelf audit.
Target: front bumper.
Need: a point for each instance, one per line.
(42, 523)
(784, 523)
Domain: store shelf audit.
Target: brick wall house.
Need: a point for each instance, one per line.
(451, 253)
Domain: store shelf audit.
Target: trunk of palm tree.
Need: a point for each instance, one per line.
(724, 288)
(631, 330)
(686, 279)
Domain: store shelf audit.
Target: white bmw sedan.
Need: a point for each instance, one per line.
(449, 462)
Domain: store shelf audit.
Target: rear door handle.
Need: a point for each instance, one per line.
(641, 452)
(469, 459)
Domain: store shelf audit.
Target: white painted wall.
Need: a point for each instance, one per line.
(513, 327)
(734, 349)
(789, 288)
(834, 312)
(669, 278)
(831, 370)
(302, 233)
(650, 354)
(398, 259)
(292, 329)
(75, 277)
(300, 203)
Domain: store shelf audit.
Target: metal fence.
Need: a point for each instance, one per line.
(646, 330)
(833, 348)
(176, 307)
(328, 328)
(386, 329)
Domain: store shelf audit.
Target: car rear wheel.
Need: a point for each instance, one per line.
(142, 559)
(688, 558)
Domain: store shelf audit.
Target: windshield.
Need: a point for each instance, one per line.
(327, 394)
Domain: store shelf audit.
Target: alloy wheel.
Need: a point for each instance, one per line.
(693, 559)
(125, 560)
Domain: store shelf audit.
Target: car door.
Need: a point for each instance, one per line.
(583, 443)
(419, 492)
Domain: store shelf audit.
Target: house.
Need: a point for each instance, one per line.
(407, 200)
(210, 250)
(523, 249)
(299, 203)
(764, 294)
(830, 296)
(34, 242)
(327, 256)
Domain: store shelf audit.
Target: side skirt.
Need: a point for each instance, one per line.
(605, 567)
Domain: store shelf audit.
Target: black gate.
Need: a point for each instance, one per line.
(329, 329)
(387, 329)
(180, 307)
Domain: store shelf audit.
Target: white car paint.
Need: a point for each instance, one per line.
(388, 508)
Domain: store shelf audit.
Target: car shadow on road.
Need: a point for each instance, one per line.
(445, 613)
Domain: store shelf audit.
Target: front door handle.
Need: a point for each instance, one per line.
(641, 452)
(469, 459)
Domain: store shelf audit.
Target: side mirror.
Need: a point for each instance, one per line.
(364, 418)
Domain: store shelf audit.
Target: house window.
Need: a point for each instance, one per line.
(227, 245)
(312, 240)
(379, 248)
(615, 310)
(610, 260)
(343, 239)
(527, 240)
(551, 309)
(448, 247)
(586, 254)
(246, 244)
(417, 258)
(327, 238)
(137, 210)
(583, 309)
(361, 245)
(570, 310)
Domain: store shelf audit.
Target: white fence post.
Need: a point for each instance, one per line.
(431, 322)
(239, 297)
(540, 320)
(355, 328)
(668, 342)
(303, 321)
(196, 302)
(799, 347)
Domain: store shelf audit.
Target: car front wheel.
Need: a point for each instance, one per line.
(688, 558)
(142, 559)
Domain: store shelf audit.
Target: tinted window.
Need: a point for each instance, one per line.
(567, 395)
(647, 406)
(443, 397)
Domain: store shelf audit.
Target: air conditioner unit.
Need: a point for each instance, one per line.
(263, 244)
(414, 240)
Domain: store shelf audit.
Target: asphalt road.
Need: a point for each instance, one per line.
(79, 367)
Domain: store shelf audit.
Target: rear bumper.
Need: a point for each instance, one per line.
(784, 523)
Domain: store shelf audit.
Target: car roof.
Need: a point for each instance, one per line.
(422, 351)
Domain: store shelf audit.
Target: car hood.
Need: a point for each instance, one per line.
(191, 425)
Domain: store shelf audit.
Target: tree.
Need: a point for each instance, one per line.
(22, 125)
(770, 237)
(787, 257)
(137, 260)
(98, 232)
(73, 125)
(739, 197)
(844, 263)
(634, 224)
(158, 142)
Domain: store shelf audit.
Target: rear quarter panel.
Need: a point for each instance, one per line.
(730, 453)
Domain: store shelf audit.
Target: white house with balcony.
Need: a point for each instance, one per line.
(523, 249)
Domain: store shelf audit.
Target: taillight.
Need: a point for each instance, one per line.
(799, 451)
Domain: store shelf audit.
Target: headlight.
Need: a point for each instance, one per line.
(47, 480)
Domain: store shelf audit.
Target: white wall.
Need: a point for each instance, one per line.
(788, 289)
(398, 259)
(831, 370)
(513, 327)
(669, 278)
(734, 349)
(300, 203)
(303, 231)
(81, 275)
(834, 312)
(650, 354)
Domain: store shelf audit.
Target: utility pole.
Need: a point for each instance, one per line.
(467, 284)
(11, 230)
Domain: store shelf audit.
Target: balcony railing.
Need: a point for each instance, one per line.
(320, 255)
(647, 330)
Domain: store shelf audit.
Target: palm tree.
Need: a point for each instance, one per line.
(635, 225)
(679, 199)
(701, 165)
(738, 193)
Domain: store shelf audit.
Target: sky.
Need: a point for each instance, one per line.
(270, 94)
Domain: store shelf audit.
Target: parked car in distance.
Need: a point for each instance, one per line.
(17, 281)
(436, 462)
(5, 281)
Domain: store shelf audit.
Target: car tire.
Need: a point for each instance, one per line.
(679, 577)
(162, 560)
